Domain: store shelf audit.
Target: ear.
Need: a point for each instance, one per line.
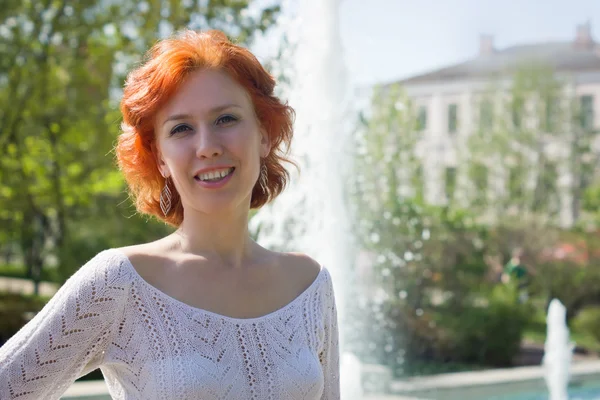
(265, 143)
(160, 162)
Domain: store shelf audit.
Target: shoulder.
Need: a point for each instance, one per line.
(302, 269)
(102, 280)
(302, 261)
(140, 254)
(146, 260)
(112, 265)
(311, 272)
(301, 264)
(106, 264)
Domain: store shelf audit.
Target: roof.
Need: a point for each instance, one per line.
(561, 56)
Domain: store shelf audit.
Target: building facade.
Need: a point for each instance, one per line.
(449, 107)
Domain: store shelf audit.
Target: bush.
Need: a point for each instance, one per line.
(390, 333)
(485, 331)
(576, 286)
(439, 307)
(14, 310)
(489, 333)
(587, 322)
(569, 270)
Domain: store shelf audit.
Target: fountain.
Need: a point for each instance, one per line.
(311, 214)
(558, 352)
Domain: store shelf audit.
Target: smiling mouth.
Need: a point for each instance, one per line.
(214, 176)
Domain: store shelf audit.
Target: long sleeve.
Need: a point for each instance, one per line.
(66, 339)
(330, 356)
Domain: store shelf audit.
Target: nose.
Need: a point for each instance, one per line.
(208, 144)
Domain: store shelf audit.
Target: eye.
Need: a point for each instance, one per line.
(226, 119)
(180, 128)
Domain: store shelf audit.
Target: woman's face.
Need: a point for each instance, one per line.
(210, 143)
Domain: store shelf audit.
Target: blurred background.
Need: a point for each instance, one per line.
(473, 191)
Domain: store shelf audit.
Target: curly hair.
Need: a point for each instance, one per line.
(167, 64)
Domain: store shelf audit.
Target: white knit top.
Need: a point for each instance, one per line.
(149, 345)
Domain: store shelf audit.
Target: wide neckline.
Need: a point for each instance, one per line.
(236, 320)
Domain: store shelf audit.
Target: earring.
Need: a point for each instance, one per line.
(165, 198)
(263, 179)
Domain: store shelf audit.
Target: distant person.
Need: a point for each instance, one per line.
(206, 312)
(515, 271)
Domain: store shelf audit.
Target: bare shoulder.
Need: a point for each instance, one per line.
(146, 258)
(304, 268)
(138, 252)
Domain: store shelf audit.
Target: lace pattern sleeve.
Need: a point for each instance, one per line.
(329, 356)
(66, 339)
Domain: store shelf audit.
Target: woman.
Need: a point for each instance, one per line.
(204, 313)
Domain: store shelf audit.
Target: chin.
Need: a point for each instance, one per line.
(219, 205)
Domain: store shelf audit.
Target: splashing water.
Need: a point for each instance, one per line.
(558, 352)
(311, 214)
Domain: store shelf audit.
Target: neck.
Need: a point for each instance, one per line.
(223, 238)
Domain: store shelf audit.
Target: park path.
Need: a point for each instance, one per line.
(24, 286)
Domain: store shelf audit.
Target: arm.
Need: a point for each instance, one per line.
(67, 337)
(330, 355)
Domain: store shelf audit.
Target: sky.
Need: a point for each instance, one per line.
(385, 40)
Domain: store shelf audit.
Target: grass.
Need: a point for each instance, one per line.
(19, 271)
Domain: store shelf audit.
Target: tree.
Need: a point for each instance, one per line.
(421, 252)
(529, 139)
(431, 263)
(387, 161)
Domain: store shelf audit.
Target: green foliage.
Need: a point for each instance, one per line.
(489, 333)
(572, 274)
(430, 266)
(15, 311)
(519, 123)
(575, 286)
(386, 163)
(437, 299)
(20, 272)
(591, 206)
(587, 322)
(486, 329)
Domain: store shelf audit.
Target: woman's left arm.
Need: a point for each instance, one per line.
(330, 355)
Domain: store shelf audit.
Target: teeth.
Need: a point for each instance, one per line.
(213, 175)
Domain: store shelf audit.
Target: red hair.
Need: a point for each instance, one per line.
(150, 86)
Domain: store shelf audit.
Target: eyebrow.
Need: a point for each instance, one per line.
(176, 117)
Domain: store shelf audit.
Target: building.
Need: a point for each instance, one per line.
(448, 103)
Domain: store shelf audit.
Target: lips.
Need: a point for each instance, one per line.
(214, 178)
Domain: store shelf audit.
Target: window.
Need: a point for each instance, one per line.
(422, 118)
(450, 182)
(486, 115)
(587, 112)
(452, 118)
